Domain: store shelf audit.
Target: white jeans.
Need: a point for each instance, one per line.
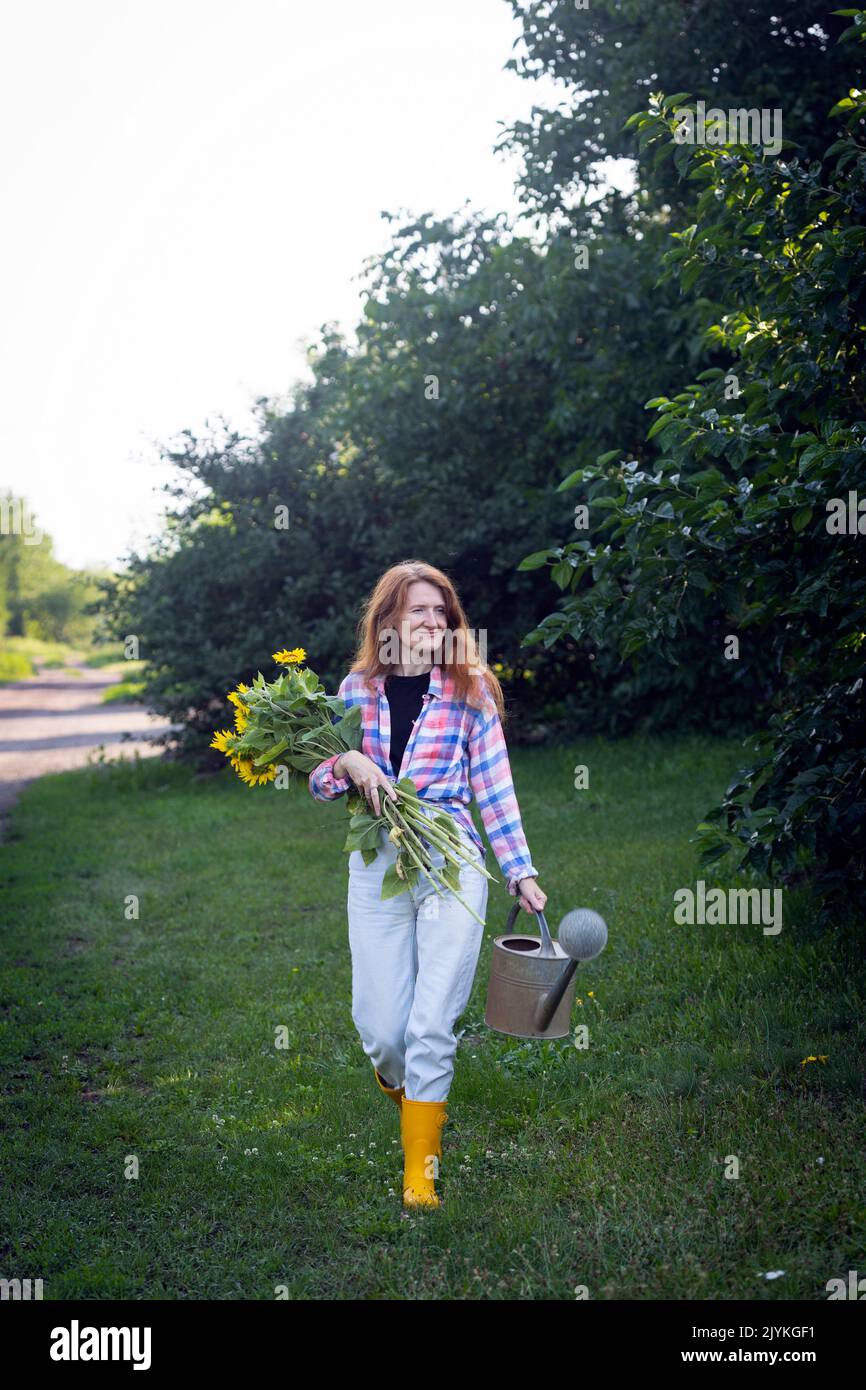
(413, 964)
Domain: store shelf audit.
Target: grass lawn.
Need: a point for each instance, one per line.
(150, 1042)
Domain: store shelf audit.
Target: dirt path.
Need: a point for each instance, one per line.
(54, 721)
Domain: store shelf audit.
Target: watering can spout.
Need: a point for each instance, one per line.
(550, 1002)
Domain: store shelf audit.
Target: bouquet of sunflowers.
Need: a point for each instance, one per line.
(291, 724)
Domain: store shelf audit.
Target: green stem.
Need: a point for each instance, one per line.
(439, 838)
(432, 872)
(424, 827)
(443, 841)
(446, 846)
(428, 871)
(435, 871)
(389, 810)
(409, 796)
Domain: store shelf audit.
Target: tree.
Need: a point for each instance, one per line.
(761, 53)
(748, 503)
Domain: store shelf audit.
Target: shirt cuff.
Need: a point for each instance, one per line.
(329, 784)
(521, 873)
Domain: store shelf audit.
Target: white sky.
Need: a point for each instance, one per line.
(190, 190)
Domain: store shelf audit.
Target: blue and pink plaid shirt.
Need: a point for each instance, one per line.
(454, 750)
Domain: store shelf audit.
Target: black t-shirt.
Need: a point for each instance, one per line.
(405, 698)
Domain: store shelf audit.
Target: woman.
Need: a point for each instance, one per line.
(430, 711)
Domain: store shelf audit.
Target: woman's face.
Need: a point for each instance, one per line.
(424, 621)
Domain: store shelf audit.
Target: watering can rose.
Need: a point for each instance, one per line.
(292, 724)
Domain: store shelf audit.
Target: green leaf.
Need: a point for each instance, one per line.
(690, 275)
(360, 836)
(408, 788)
(561, 574)
(700, 581)
(573, 478)
(392, 884)
(535, 560)
(451, 876)
(658, 425)
(809, 455)
(272, 753)
(711, 856)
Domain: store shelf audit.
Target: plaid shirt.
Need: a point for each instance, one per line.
(453, 750)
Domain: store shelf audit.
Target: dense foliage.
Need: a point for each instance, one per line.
(749, 510)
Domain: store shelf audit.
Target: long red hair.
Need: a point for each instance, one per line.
(384, 609)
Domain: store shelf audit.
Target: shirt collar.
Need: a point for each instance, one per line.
(434, 688)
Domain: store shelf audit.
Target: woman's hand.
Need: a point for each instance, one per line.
(530, 895)
(366, 776)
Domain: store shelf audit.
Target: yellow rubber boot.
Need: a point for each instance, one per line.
(421, 1124)
(395, 1092)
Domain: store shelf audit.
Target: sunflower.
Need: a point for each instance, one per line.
(278, 715)
(248, 773)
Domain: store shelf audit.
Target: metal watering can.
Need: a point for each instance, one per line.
(531, 991)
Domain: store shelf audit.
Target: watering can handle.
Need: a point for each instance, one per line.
(546, 943)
